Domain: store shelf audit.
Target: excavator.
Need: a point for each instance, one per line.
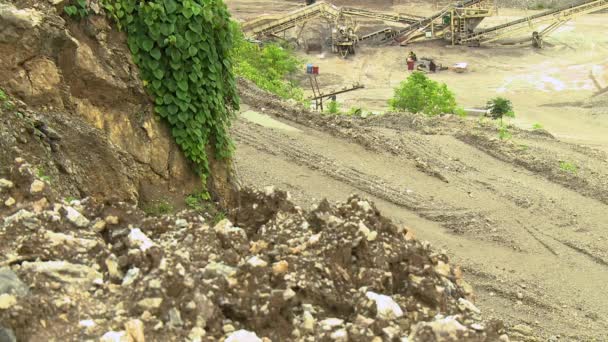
(456, 24)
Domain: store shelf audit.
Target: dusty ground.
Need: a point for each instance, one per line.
(531, 236)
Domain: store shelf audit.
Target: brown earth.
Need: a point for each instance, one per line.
(530, 232)
(531, 235)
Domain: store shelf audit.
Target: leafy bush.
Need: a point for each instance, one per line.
(537, 126)
(419, 94)
(355, 111)
(568, 167)
(78, 9)
(503, 132)
(184, 52)
(500, 107)
(333, 107)
(268, 67)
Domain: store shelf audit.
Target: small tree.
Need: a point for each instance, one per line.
(500, 107)
(419, 94)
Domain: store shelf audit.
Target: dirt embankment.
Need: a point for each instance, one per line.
(85, 269)
(77, 75)
(495, 201)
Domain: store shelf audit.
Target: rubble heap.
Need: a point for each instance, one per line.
(88, 270)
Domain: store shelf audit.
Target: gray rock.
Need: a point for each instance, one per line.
(7, 335)
(64, 271)
(10, 283)
(175, 318)
(218, 269)
(181, 223)
(19, 216)
(131, 276)
(76, 218)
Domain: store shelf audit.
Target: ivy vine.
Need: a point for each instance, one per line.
(182, 48)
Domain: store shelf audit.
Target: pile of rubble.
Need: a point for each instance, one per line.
(89, 270)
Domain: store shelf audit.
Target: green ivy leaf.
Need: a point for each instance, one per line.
(155, 53)
(183, 85)
(146, 44)
(159, 73)
(187, 12)
(172, 109)
(167, 29)
(170, 6)
(183, 117)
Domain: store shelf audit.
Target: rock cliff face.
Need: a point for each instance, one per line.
(78, 75)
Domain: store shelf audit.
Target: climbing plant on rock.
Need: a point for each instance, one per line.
(182, 49)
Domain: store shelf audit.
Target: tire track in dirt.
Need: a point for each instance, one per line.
(275, 143)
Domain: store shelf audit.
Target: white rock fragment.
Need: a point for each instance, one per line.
(135, 330)
(288, 294)
(269, 190)
(365, 206)
(115, 336)
(9, 202)
(5, 184)
(370, 235)
(150, 303)
(339, 335)
(243, 336)
(329, 324)
(18, 216)
(131, 276)
(181, 223)
(7, 301)
(225, 227)
(196, 334)
(256, 261)
(137, 239)
(64, 271)
(75, 217)
(37, 187)
(386, 307)
(465, 304)
(87, 323)
(219, 269)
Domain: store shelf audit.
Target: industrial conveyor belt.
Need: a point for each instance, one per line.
(554, 17)
(274, 24)
(401, 35)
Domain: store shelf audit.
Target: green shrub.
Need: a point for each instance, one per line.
(419, 94)
(78, 9)
(268, 67)
(503, 132)
(333, 107)
(537, 126)
(355, 111)
(568, 167)
(500, 107)
(184, 53)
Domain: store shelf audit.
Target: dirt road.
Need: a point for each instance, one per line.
(530, 231)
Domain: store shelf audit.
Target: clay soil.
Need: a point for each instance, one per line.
(530, 234)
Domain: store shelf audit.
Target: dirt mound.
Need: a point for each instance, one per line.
(85, 269)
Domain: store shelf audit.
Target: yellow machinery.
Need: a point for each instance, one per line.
(453, 20)
(344, 28)
(456, 23)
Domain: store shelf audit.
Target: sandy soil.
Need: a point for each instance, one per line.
(531, 237)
